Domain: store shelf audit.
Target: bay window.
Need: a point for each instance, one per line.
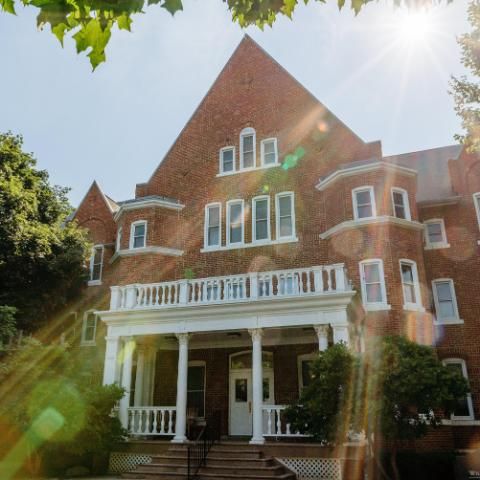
(363, 203)
(138, 234)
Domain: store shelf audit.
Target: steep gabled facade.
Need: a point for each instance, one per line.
(271, 230)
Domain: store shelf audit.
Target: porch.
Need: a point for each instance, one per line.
(237, 347)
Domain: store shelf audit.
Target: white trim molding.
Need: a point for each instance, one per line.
(382, 304)
(170, 252)
(417, 305)
(455, 319)
(405, 201)
(249, 245)
(365, 222)
(372, 204)
(471, 416)
(360, 169)
(148, 203)
(435, 245)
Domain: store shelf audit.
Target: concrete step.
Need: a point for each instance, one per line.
(238, 462)
(270, 471)
(232, 453)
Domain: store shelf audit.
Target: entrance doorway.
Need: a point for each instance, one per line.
(240, 390)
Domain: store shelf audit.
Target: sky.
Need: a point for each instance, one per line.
(385, 73)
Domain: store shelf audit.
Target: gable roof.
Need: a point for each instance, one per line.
(434, 180)
(95, 189)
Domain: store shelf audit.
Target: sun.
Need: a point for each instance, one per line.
(414, 26)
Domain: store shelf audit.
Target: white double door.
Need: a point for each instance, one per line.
(241, 407)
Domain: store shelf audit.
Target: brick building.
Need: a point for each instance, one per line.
(268, 231)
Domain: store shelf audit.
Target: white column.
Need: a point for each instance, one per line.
(322, 334)
(340, 333)
(139, 400)
(257, 386)
(127, 357)
(111, 367)
(181, 414)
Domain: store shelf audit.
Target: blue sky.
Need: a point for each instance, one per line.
(116, 124)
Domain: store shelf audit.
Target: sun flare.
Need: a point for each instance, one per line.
(413, 26)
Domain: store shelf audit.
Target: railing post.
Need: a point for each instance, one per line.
(115, 298)
(253, 285)
(183, 299)
(340, 282)
(131, 296)
(318, 279)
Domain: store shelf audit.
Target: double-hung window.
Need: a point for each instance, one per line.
(235, 222)
(464, 408)
(435, 234)
(285, 215)
(138, 234)
(305, 374)
(401, 207)
(89, 328)
(261, 218)
(410, 285)
(227, 160)
(269, 153)
(372, 279)
(196, 389)
(445, 301)
(363, 203)
(213, 225)
(247, 148)
(96, 264)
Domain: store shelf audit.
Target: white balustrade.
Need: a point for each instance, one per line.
(233, 288)
(275, 424)
(158, 421)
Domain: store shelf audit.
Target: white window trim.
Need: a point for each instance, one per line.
(372, 199)
(448, 320)
(229, 204)
(300, 359)
(118, 241)
(205, 227)
(418, 307)
(476, 201)
(83, 341)
(220, 161)
(373, 306)
(244, 133)
(132, 231)
(277, 216)
(462, 362)
(254, 220)
(406, 203)
(435, 245)
(92, 259)
(262, 152)
(201, 363)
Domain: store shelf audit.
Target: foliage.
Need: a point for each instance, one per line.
(42, 259)
(47, 390)
(91, 21)
(7, 323)
(394, 388)
(466, 89)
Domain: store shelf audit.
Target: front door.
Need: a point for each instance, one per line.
(241, 399)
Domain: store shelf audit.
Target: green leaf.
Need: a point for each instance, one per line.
(59, 31)
(172, 6)
(8, 6)
(124, 22)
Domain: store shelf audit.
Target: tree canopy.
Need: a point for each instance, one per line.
(42, 257)
(90, 22)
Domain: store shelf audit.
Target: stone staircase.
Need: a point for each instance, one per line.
(225, 461)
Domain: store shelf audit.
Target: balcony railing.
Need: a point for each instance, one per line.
(318, 280)
(158, 421)
(275, 425)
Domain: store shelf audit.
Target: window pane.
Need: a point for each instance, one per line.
(89, 328)
(434, 231)
(242, 361)
(214, 236)
(196, 378)
(241, 394)
(248, 143)
(407, 273)
(138, 242)
(285, 204)
(307, 374)
(269, 147)
(139, 230)
(399, 204)
(371, 272)
(444, 292)
(214, 216)
(269, 154)
(227, 158)
(363, 197)
(96, 270)
(98, 255)
(364, 211)
(400, 211)
(409, 293)
(461, 408)
(236, 234)
(266, 389)
(261, 230)
(195, 404)
(235, 213)
(286, 229)
(261, 209)
(446, 309)
(248, 159)
(374, 293)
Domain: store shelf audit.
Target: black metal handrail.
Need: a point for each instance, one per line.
(197, 451)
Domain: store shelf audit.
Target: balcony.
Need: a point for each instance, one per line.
(231, 289)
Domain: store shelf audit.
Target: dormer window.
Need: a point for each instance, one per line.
(269, 152)
(227, 160)
(363, 203)
(247, 148)
(138, 234)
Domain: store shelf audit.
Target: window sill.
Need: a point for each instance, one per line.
(436, 246)
(448, 321)
(414, 308)
(377, 307)
(251, 169)
(146, 250)
(93, 283)
(240, 246)
(461, 422)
